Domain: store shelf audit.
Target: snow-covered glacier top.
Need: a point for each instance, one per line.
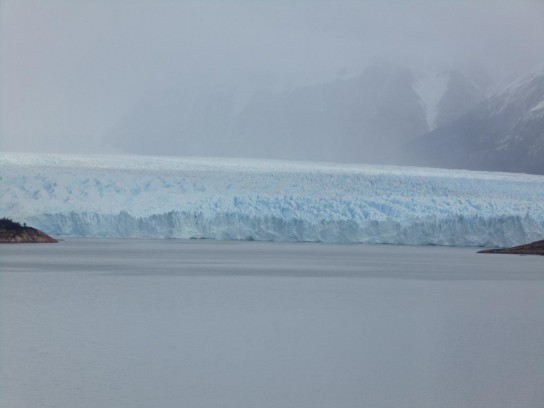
(169, 197)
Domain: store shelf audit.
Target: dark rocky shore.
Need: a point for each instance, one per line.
(534, 248)
(12, 233)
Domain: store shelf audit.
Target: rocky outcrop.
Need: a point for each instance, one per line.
(534, 248)
(12, 233)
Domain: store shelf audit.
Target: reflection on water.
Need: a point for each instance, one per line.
(111, 323)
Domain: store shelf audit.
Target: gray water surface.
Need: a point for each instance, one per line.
(172, 323)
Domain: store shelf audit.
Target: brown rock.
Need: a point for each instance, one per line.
(12, 232)
(534, 248)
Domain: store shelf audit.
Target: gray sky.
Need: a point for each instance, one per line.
(71, 69)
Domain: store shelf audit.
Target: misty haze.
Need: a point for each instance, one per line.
(423, 82)
(271, 203)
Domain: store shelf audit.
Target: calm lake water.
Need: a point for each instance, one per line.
(92, 323)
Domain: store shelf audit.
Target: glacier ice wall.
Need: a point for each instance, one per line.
(131, 196)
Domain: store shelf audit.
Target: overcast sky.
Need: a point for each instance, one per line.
(71, 69)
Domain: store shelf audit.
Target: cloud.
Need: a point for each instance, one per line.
(69, 70)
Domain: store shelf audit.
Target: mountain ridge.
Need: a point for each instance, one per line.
(365, 118)
(505, 132)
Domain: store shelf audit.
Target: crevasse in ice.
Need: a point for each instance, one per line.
(167, 197)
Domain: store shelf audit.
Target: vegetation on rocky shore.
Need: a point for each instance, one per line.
(12, 232)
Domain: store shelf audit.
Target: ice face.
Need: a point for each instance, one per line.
(131, 196)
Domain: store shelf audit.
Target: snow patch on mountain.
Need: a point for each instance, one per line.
(538, 107)
(431, 88)
(517, 90)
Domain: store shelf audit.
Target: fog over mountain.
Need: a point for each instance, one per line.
(350, 81)
(361, 119)
(503, 133)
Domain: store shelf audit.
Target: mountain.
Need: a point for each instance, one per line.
(505, 132)
(360, 119)
(183, 121)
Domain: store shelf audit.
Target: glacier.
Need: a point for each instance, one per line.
(235, 199)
